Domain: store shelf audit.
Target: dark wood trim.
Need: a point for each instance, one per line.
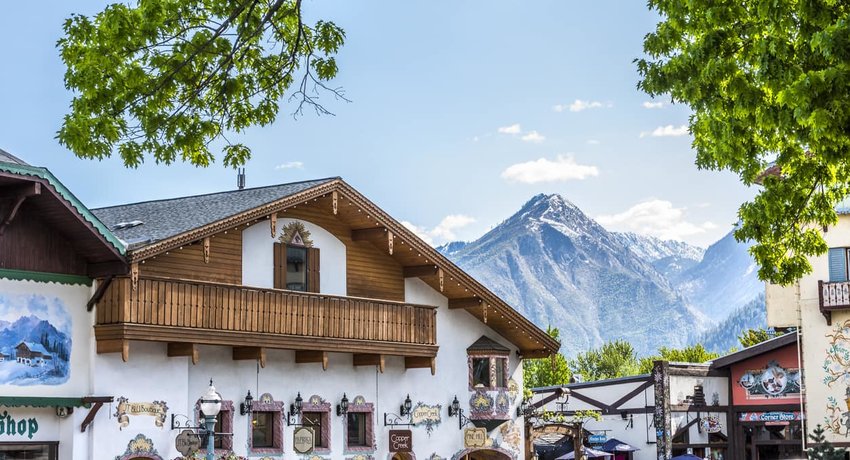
(421, 362)
(108, 334)
(605, 408)
(98, 293)
(312, 356)
(632, 394)
(19, 195)
(767, 408)
(368, 234)
(693, 408)
(101, 269)
(465, 302)
(90, 416)
(369, 359)
(416, 271)
(183, 349)
(556, 393)
(683, 429)
(250, 353)
(755, 350)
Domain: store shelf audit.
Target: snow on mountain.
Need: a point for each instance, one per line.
(559, 267)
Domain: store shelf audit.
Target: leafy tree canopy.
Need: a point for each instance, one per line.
(692, 354)
(545, 372)
(767, 81)
(166, 78)
(752, 337)
(613, 359)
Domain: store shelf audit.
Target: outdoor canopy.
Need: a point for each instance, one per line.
(588, 453)
(615, 445)
(686, 457)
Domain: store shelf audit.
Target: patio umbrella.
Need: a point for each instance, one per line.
(588, 453)
(686, 457)
(615, 445)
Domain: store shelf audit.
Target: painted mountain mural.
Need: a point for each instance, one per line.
(35, 340)
(561, 268)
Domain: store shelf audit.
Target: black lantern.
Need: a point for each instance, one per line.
(294, 411)
(245, 407)
(405, 408)
(342, 407)
(454, 407)
(522, 409)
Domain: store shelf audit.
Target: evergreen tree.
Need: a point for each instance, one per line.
(823, 449)
(545, 372)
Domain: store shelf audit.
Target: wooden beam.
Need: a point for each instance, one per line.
(335, 198)
(104, 269)
(465, 302)
(273, 224)
(207, 250)
(369, 234)
(421, 362)
(632, 394)
(14, 192)
(90, 416)
(312, 356)
(416, 271)
(19, 194)
(114, 346)
(98, 293)
(245, 353)
(361, 359)
(183, 349)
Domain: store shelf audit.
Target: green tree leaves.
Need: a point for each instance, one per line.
(613, 359)
(545, 372)
(168, 78)
(768, 82)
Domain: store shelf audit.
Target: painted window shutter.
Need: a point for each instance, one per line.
(279, 266)
(837, 264)
(313, 270)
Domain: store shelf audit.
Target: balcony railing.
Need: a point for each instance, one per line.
(170, 310)
(833, 296)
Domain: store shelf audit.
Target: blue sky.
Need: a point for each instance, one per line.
(460, 112)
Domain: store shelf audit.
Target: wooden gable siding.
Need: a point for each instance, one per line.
(225, 264)
(29, 243)
(371, 273)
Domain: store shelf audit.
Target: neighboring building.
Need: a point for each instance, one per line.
(745, 405)
(818, 305)
(303, 292)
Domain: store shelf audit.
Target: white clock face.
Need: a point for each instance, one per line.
(774, 379)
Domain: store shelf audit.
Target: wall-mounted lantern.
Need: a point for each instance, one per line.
(455, 410)
(342, 407)
(294, 411)
(404, 411)
(245, 407)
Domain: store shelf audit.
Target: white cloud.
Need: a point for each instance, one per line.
(512, 129)
(667, 131)
(533, 136)
(444, 231)
(658, 218)
(593, 142)
(579, 105)
(290, 165)
(562, 168)
(653, 104)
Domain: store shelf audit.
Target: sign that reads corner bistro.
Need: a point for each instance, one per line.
(401, 441)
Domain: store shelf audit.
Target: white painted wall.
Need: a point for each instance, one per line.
(258, 256)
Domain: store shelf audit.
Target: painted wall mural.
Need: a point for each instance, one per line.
(837, 369)
(774, 381)
(140, 447)
(35, 340)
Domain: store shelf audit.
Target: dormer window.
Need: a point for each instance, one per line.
(488, 364)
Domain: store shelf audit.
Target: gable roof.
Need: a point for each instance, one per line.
(487, 344)
(181, 221)
(14, 169)
(755, 350)
(163, 219)
(35, 347)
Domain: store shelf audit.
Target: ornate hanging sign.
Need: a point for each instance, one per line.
(424, 415)
(156, 409)
(774, 381)
(401, 441)
(295, 234)
(711, 424)
(187, 443)
(303, 440)
(474, 437)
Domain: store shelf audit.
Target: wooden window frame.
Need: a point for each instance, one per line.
(368, 409)
(312, 267)
(311, 405)
(226, 416)
(52, 446)
(494, 358)
(266, 403)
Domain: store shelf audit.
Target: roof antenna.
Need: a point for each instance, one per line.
(240, 178)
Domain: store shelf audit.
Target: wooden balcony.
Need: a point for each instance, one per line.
(833, 296)
(185, 313)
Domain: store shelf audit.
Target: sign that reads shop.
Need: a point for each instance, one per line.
(401, 441)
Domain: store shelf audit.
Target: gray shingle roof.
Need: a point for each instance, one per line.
(163, 219)
(487, 344)
(6, 157)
